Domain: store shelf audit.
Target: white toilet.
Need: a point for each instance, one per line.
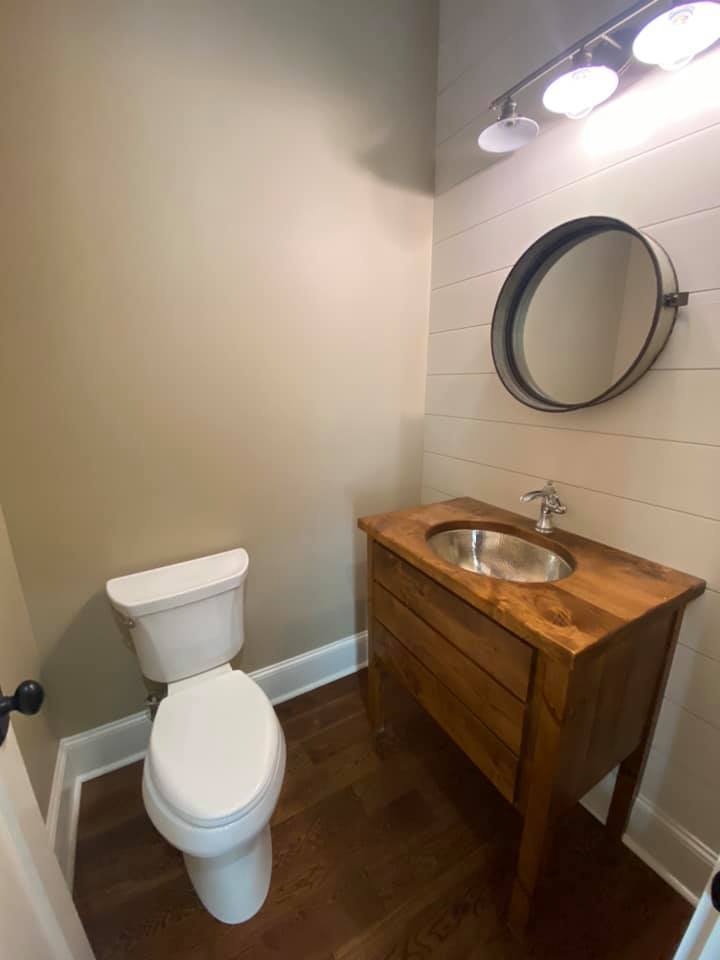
(216, 759)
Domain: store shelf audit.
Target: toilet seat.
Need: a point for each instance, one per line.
(214, 751)
(213, 841)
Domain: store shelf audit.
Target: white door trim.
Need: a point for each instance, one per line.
(27, 854)
(702, 937)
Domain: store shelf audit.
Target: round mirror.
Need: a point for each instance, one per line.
(583, 314)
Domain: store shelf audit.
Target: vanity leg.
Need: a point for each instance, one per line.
(376, 680)
(630, 771)
(547, 710)
(561, 716)
(533, 849)
(626, 787)
(376, 711)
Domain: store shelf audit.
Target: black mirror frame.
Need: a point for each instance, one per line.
(507, 313)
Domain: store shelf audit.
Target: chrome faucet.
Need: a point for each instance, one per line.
(551, 504)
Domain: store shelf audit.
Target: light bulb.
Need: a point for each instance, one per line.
(576, 93)
(508, 133)
(676, 36)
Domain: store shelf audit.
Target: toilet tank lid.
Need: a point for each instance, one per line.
(179, 583)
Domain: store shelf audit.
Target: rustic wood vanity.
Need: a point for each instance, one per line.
(546, 687)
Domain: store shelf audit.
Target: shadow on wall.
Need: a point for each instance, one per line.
(102, 685)
(386, 162)
(339, 76)
(357, 78)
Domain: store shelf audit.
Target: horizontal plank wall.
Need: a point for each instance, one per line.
(641, 472)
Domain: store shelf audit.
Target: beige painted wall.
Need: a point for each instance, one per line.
(216, 237)
(20, 660)
(641, 471)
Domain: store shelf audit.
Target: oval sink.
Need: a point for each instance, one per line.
(496, 553)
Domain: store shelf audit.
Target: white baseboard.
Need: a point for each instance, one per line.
(290, 678)
(98, 751)
(80, 758)
(662, 843)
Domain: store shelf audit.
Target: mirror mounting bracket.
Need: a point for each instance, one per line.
(679, 299)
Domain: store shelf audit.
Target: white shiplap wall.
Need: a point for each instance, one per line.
(641, 472)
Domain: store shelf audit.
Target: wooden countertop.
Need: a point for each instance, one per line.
(608, 589)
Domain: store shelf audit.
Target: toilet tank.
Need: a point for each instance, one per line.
(185, 618)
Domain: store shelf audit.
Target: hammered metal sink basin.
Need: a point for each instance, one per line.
(496, 553)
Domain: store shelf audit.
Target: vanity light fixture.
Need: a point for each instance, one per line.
(670, 40)
(576, 92)
(509, 132)
(676, 36)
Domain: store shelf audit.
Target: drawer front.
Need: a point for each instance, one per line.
(499, 652)
(492, 703)
(488, 752)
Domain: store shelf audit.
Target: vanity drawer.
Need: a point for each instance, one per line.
(499, 709)
(488, 752)
(499, 652)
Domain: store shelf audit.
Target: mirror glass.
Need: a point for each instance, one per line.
(585, 316)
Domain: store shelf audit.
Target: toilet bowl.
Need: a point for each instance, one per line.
(216, 759)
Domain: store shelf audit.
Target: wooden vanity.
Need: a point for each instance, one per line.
(545, 686)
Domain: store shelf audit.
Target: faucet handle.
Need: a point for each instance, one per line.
(551, 503)
(551, 496)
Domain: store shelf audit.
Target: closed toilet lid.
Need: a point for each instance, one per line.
(214, 748)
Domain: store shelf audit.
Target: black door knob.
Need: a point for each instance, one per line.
(715, 891)
(27, 699)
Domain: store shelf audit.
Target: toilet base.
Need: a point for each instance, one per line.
(234, 886)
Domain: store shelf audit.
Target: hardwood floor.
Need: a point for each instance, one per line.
(401, 852)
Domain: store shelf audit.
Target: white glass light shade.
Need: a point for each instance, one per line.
(507, 135)
(575, 93)
(672, 39)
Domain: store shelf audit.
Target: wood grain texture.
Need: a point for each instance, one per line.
(634, 675)
(485, 749)
(498, 652)
(551, 698)
(410, 859)
(498, 709)
(582, 722)
(608, 589)
(375, 676)
(588, 712)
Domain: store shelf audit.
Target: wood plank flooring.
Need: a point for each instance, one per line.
(400, 850)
